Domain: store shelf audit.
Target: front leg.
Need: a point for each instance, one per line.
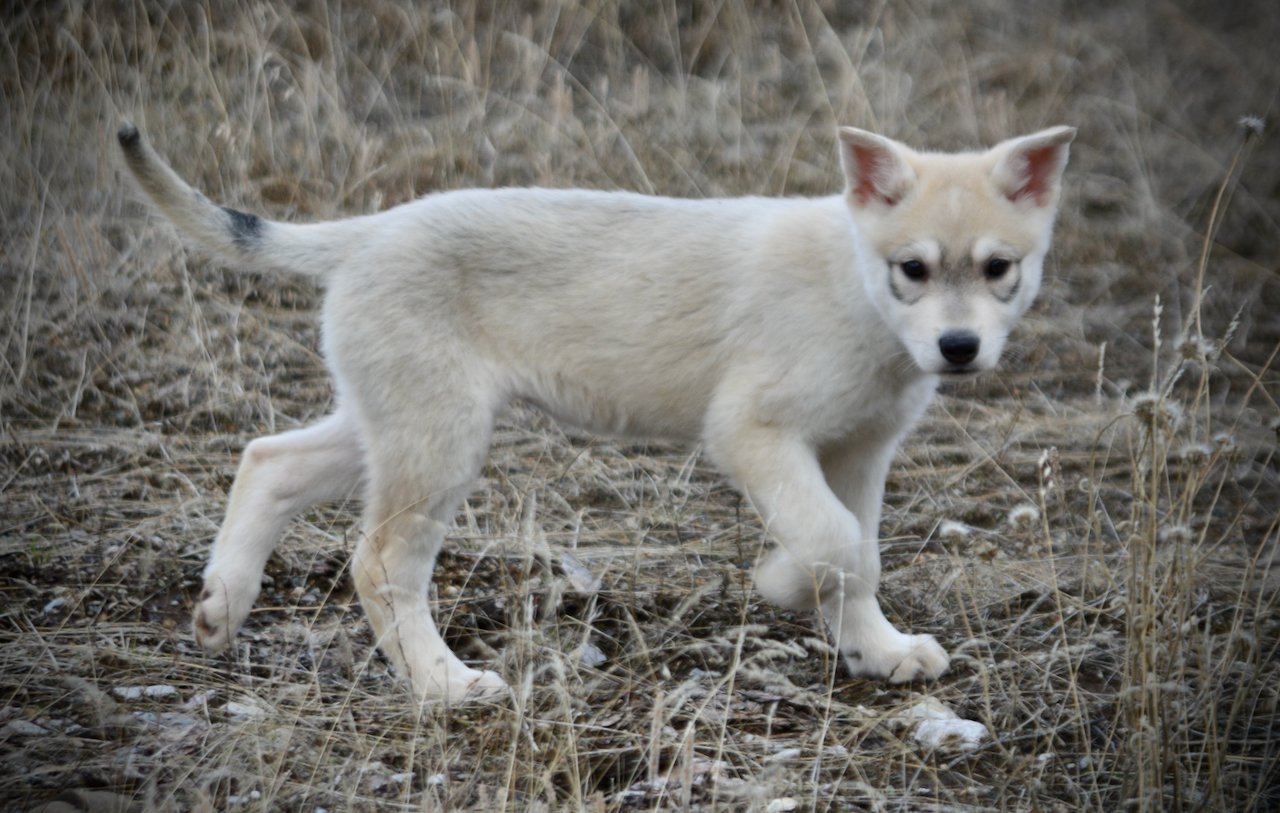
(825, 556)
(871, 645)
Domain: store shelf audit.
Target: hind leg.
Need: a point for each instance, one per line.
(279, 476)
(419, 474)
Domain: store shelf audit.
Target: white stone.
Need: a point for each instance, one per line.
(937, 726)
(24, 728)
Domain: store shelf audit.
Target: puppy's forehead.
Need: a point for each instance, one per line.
(955, 205)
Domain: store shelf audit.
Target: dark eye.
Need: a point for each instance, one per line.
(914, 270)
(997, 267)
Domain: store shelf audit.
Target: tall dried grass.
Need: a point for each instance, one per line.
(1091, 531)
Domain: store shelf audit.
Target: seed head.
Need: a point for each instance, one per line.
(1226, 443)
(1197, 454)
(1024, 517)
(1197, 348)
(1175, 534)
(1252, 125)
(1157, 411)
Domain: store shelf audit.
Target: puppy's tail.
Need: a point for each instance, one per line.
(238, 237)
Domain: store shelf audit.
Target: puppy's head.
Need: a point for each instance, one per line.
(955, 243)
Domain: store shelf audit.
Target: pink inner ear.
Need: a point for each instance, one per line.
(1038, 174)
(874, 168)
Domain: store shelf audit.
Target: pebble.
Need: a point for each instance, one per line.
(784, 756)
(155, 692)
(581, 579)
(165, 719)
(592, 655)
(24, 728)
(241, 712)
(940, 727)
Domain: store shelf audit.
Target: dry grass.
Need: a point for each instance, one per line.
(1117, 633)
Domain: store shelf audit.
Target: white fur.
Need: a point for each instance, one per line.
(767, 329)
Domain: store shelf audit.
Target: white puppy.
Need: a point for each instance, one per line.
(798, 339)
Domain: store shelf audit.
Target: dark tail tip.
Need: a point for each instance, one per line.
(246, 228)
(130, 138)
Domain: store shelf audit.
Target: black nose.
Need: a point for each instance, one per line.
(959, 346)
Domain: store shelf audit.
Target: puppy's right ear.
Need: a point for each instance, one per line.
(875, 169)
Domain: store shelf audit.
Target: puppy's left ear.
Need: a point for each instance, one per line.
(1030, 168)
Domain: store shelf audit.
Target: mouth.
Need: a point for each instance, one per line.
(958, 371)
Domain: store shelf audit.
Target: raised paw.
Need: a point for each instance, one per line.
(223, 607)
(903, 659)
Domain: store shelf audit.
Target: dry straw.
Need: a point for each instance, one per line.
(1112, 610)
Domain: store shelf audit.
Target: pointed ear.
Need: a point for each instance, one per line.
(875, 170)
(1030, 167)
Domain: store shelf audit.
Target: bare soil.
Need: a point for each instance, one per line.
(1091, 531)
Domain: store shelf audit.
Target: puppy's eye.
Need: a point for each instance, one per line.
(997, 267)
(914, 270)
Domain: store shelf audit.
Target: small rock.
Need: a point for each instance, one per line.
(580, 577)
(784, 756)
(240, 712)
(940, 727)
(165, 719)
(956, 734)
(155, 692)
(591, 655)
(24, 728)
(200, 700)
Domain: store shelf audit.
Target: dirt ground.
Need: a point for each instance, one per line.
(1091, 531)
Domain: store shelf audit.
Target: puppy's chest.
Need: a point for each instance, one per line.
(874, 408)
